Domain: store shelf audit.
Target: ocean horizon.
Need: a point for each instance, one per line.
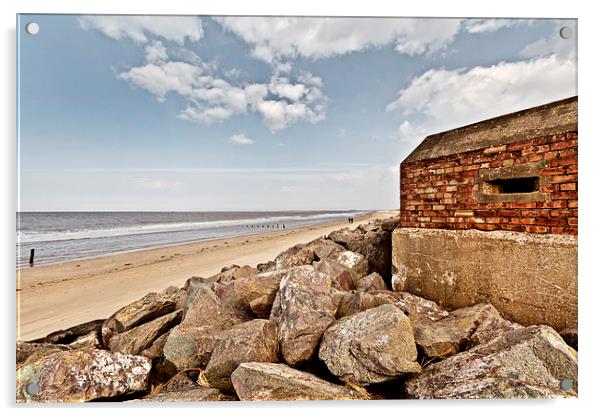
(63, 236)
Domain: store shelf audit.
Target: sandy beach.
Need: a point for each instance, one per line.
(57, 296)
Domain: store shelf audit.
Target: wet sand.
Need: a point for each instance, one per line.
(57, 296)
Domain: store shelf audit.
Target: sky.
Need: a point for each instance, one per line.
(199, 113)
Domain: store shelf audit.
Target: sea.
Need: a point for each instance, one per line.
(62, 236)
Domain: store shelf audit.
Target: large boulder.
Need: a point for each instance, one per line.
(302, 310)
(36, 350)
(187, 395)
(69, 335)
(462, 329)
(253, 341)
(263, 381)
(355, 262)
(146, 309)
(324, 248)
(374, 244)
(141, 337)
(233, 272)
(350, 302)
(373, 281)
(181, 346)
(251, 295)
(524, 363)
(341, 276)
(415, 307)
(297, 255)
(82, 375)
(370, 347)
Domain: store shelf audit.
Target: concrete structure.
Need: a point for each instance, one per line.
(488, 213)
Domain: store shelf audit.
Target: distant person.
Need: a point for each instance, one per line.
(283, 226)
(351, 220)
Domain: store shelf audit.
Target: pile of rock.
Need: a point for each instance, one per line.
(317, 323)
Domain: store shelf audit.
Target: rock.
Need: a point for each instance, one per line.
(177, 295)
(234, 272)
(460, 330)
(83, 375)
(263, 381)
(389, 224)
(324, 248)
(349, 303)
(570, 336)
(302, 310)
(155, 351)
(37, 350)
(67, 336)
(353, 261)
(179, 382)
(295, 256)
(192, 287)
(259, 290)
(89, 340)
(207, 310)
(253, 341)
(374, 245)
(141, 337)
(415, 307)
(371, 282)
(188, 395)
(370, 347)
(341, 276)
(266, 267)
(147, 308)
(180, 350)
(523, 363)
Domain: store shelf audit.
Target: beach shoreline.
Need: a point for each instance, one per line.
(59, 295)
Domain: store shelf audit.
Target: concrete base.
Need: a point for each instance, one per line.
(531, 279)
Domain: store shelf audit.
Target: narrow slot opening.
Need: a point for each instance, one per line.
(511, 186)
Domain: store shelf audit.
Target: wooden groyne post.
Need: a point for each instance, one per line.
(31, 253)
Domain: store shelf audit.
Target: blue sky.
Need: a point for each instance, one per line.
(201, 113)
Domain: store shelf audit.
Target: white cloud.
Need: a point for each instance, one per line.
(492, 25)
(554, 44)
(155, 52)
(241, 138)
(211, 99)
(137, 28)
(442, 99)
(277, 39)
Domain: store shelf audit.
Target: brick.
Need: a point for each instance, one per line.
(554, 204)
(496, 220)
(486, 227)
(572, 221)
(522, 205)
(524, 221)
(564, 178)
(463, 213)
(551, 171)
(507, 213)
(536, 229)
(564, 144)
(568, 187)
(438, 207)
(496, 149)
(573, 204)
(571, 135)
(508, 162)
(550, 155)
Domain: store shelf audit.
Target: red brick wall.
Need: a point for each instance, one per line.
(438, 193)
